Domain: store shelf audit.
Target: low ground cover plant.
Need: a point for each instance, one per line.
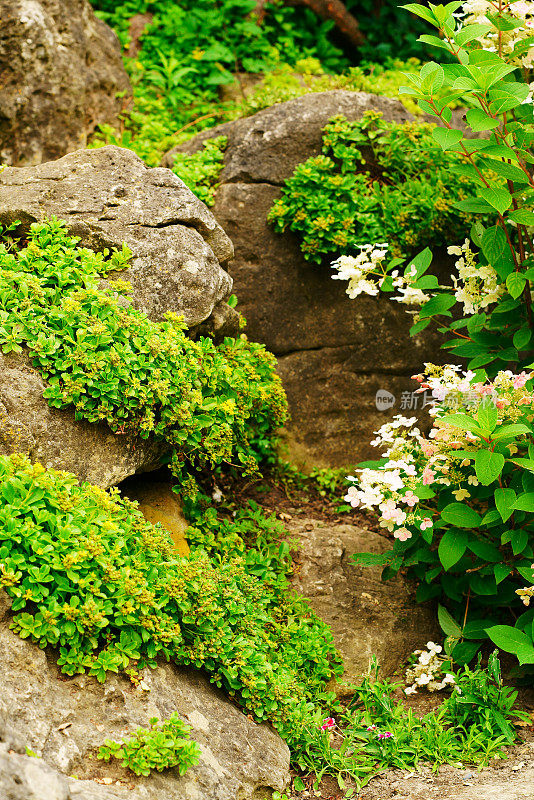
(200, 171)
(375, 181)
(89, 576)
(459, 499)
(212, 404)
(164, 745)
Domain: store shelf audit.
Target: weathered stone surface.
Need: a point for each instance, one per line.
(60, 72)
(268, 146)
(367, 617)
(334, 352)
(333, 403)
(28, 778)
(158, 503)
(108, 197)
(54, 438)
(66, 720)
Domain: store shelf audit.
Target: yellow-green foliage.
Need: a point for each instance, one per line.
(90, 576)
(211, 404)
(200, 171)
(307, 76)
(375, 182)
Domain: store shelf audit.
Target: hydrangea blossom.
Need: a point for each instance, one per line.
(477, 285)
(413, 462)
(426, 671)
(479, 11)
(366, 272)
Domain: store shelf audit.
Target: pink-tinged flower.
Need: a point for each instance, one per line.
(502, 402)
(520, 380)
(352, 496)
(428, 448)
(426, 523)
(428, 476)
(410, 499)
(402, 534)
(371, 727)
(328, 724)
(385, 735)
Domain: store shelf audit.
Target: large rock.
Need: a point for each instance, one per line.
(366, 616)
(107, 197)
(55, 439)
(60, 73)
(334, 353)
(64, 722)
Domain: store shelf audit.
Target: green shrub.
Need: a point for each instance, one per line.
(211, 404)
(459, 500)
(376, 181)
(200, 171)
(90, 576)
(164, 745)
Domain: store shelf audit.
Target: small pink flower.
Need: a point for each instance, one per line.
(428, 448)
(428, 476)
(328, 724)
(410, 499)
(371, 727)
(352, 496)
(402, 534)
(520, 380)
(385, 735)
(426, 523)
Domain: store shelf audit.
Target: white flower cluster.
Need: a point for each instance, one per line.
(477, 11)
(362, 271)
(388, 487)
(427, 671)
(477, 286)
(366, 272)
(375, 484)
(408, 294)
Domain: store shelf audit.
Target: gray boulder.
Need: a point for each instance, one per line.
(366, 616)
(334, 353)
(108, 196)
(64, 721)
(60, 73)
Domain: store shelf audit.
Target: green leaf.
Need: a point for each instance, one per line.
(488, 466)
(512, 640)
(487, 416)
(518, 540)
(447, 138)
(499, 199)
(462, 421)
(504, 500)
(478, 120)
(448, 624)
(461, 515)
(485, 550)
(525, 502)
(452, 546)
(522, 216)
(493, 243)
(437, 305)
(515, 283)
(501, 571)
